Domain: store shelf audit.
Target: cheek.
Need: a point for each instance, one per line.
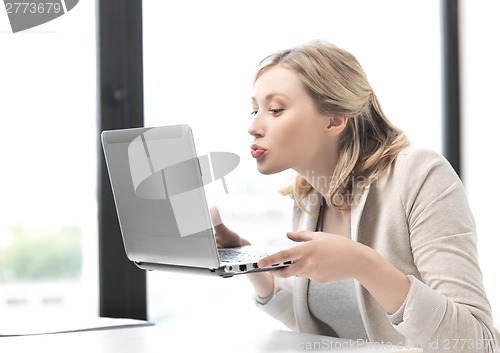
(291, 147)
(297, 135)
(286, 137)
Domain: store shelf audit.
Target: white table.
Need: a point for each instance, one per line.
(185, 334)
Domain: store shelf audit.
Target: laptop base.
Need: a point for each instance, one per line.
(224, 272)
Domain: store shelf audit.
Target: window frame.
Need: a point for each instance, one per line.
(122, 285)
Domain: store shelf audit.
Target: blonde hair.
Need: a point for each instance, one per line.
(337, 84)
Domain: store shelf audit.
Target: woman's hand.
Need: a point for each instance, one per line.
(224, 236)
(322, 257)
(325, 257)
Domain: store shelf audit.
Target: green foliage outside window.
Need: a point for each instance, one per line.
(42, 255)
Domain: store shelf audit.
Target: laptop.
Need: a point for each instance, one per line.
(157, 181)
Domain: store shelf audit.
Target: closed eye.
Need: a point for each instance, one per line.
(254, 112)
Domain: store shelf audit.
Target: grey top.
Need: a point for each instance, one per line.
(335, 304)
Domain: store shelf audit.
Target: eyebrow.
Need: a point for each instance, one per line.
(270, 96)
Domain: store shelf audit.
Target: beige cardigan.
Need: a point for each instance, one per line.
(417, 217)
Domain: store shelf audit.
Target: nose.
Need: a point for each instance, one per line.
(256, 129)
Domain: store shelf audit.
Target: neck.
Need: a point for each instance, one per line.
(319, 181)
(319, 172)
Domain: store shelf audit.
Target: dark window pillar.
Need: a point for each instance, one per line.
(451, 82)
(122, 286)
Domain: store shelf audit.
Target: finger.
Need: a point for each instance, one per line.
(219, 227)
(279, 257)
(300, 236)
(296, 269)
(215, 215)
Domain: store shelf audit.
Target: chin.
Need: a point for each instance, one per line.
(268, 170)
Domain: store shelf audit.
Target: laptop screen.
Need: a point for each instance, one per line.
(158, 189)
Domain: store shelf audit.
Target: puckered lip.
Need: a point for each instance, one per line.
(256, 147)
(257, 151)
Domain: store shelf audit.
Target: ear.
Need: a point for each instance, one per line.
(336, 124)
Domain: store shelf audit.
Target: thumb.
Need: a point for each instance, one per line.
(215, 216)
(219, 227)
(300, 236)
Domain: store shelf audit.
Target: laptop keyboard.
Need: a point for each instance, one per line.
(232, 255)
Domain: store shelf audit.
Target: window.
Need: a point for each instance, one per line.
(48, 226)
(199, 61)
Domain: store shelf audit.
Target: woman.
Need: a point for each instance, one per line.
(386, 240)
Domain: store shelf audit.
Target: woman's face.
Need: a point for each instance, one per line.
(288, 129)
